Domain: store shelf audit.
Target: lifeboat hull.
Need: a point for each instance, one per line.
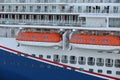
(97, 47)
(48, 44)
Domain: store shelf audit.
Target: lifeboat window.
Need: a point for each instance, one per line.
(92, 40)
(117, 63)
(109, 62)
(105, 40)
(117, 72)
(109, 72)
(40, 56)
(73, 59)
(91, 61)
(73, 39)
(64, 59)
(45, 37)
(100, 62)
(56, 58)
(48, 56)
(82, 60)
(100, 71)
(79, 39)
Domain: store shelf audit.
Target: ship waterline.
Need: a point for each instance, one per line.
(60, 39)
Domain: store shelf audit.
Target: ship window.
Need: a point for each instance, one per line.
(100, 71)
(91, 70)
(40, 56)
(48, 56)
(117, 63)
(109, 72)
(73, 59)
(56, 58)
(117, 72)
(100, 62)
(91, 61)
(81, 69)
(109, 62)
(64, 59)
(82, 60)
(33, 55)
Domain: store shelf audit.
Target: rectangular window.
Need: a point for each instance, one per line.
(100, 62)
(48, 56)
(64, 59)
(82, 60)
(117, 72)
(117, 63)
(109, 62)
(56, 58)
(73, 59)
(91, 61)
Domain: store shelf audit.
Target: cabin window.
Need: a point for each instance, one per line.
(117, 63)
(64, 59)
(40, 56)
(117, 72)
(48, 56)
(109, 62)
(100, 62)
(91, 70)
(91, 61)
(56, 58)
(82, 60)
(81, 69)
(73, 59)
(33, 55)
(109, 72)
(100, 71)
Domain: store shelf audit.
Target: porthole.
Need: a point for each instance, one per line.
(48, 56)
(109, 72)
(33, 55)
(117, 72)
(81, 69)
(91, 70)
(100, 71)
(40, 56)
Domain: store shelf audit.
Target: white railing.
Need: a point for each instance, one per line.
(41, 22)
(62, 1)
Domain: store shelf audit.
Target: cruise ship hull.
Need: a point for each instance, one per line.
(16, 67)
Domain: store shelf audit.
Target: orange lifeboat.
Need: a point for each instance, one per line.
(100, 40)
(39, 37)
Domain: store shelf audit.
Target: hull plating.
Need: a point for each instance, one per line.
(15, 67)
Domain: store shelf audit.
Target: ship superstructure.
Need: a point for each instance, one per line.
(79, 36)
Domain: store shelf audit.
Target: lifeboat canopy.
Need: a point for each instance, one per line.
(39, 38)
(107, 42)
